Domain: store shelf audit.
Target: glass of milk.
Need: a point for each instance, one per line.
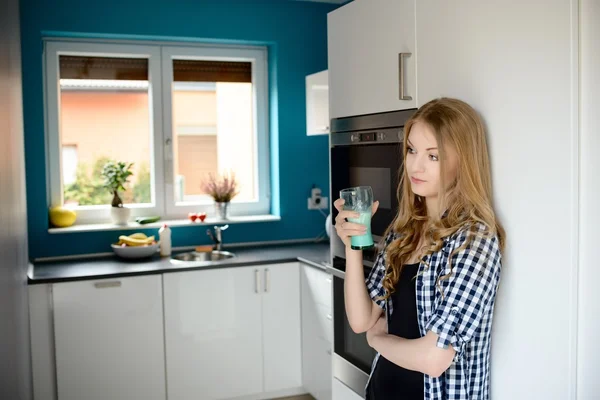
(359, 199)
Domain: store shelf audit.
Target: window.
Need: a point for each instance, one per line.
(176, 113)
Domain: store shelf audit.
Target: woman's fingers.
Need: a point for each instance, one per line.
(338, 204)
(374, 208)
(345, 215)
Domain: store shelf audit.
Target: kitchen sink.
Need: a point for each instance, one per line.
(197, 257)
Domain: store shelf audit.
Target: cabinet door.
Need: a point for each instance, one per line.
(317, 317)
(318, 285)
(109, 339)
(317, 332)
(213, 332)
(516, 63)
(316, 367)
(365, 38)
(317, 104)
(281, 327)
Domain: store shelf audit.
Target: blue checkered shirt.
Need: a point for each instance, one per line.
(462, 317)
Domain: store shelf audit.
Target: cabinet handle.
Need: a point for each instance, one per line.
(267, 280)
(256, 281)
(329, 317)
(401, 57)
(102, 285)
(328, 280)
(329, 351)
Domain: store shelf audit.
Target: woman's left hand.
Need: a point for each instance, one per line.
(380, 328)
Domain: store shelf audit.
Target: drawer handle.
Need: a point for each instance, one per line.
(102, 285)
(329, 317)
(256, 281)
(267, 280)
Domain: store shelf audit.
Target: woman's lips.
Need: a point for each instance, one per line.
(415, 180)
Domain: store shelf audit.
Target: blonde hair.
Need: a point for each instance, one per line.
(467, 201)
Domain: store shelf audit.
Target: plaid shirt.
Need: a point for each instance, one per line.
(462, 317)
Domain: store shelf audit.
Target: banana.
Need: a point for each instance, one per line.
(130, 241)
(138, 235)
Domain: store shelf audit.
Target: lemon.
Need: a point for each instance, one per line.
(62, 217)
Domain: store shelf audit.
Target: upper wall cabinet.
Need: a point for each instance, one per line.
(317, 103)
(371, 49)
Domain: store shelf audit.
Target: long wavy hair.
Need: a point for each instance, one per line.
(466, 202)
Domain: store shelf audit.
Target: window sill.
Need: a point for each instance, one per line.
(158, 224)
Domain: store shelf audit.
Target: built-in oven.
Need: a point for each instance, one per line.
(364, 150)
(367, 150)
(352, 357)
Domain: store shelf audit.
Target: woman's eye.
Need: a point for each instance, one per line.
(433, 157)
(410, 150)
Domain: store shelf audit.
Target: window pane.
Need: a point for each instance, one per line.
(69, 164)
(104, 115)
(213, 127)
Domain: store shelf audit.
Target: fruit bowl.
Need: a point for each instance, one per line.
(137, 245)
(133, 252)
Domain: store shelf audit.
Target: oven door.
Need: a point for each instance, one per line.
(375, 165)
(353, 356)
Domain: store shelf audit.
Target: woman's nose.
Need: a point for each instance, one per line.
(419, 164)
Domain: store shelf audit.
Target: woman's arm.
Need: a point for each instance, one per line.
(415, 354)
(362, 312)
(469, 292)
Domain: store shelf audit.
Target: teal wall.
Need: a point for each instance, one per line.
(296, 35)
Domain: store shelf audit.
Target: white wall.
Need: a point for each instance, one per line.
(15, 364)
(588, 350)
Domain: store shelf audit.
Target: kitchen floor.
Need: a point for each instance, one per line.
(303, 397)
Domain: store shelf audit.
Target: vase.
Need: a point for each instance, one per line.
(222, 210)
(120, 215)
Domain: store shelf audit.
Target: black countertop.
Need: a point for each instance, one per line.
(109, 267)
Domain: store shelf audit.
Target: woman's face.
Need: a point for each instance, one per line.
(423, 164)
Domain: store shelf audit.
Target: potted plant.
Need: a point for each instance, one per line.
(116, 175)
(222, 188)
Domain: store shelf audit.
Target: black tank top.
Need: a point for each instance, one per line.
(390, 381)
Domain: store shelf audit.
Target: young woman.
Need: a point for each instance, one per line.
(428, 302)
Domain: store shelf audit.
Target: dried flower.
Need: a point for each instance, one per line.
(222, 188)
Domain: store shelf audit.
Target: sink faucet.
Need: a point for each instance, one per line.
(217, 238)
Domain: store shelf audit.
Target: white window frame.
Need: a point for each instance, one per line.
(160, 72)
(258, 57)
(54, 49)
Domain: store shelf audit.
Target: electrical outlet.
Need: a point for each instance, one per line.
(315, 201)
(320, 204)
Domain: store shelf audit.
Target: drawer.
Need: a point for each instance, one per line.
(317, 368)
(318, 322)
(318, 284)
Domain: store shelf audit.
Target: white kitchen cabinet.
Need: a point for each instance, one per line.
(317, 103)
(232, 332)
(213, 333)
(342, 392)
(317, 370)
(317, 332)
(282, 327)
(109, 339)
(367, 73)
(516, 63)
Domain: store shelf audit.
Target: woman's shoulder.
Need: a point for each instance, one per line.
(476, 239)
(474, 231)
